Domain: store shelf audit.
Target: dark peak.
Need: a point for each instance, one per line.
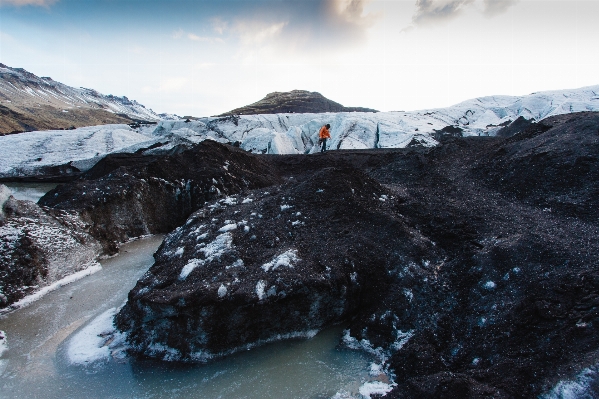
(295, 101)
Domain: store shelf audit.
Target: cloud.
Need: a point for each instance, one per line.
(436, 11)
(205, 39)
(430, 11)
(496, 7)
(292, 25)
(21, 3)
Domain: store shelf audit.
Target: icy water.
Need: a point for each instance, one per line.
(36, 364)
(30, 191)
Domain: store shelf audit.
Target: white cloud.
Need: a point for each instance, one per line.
(434, 11)
(496, 7)
(430, 11)
(219, 26)
(206, 39)
(178, 34)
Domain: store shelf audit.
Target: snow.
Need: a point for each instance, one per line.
(229, 201)
(3, 348)
(23, 154)
(260, 285)
(28, 300)
(228, 227)
(211, 251)
(375, 388)
(3, 343)
(96, 341)
(189, 267)
(222, 291)
(287, 258)
(582, 387)
(490, 285)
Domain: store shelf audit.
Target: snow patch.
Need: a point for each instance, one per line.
(28, 300)
(189, 267)
(375, 388)
(581, 388)
(228, 227)
(222, 291)
(288, 259)
(96, 341)
(3, 343)
(260, 285)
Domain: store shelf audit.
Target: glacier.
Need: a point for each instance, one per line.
(24, 154)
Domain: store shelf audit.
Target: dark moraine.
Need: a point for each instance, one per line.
(472, 264)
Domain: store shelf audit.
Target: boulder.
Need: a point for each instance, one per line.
(271, 265)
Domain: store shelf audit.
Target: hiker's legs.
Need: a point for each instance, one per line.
(324, 145)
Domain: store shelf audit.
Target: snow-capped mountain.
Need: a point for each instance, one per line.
(289, 133)
(29, 102)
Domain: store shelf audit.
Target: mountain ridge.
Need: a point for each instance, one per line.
(294, 101)
(29, 102)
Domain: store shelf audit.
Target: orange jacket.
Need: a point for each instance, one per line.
(324, 133)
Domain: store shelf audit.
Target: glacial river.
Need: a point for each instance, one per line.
(36, 364)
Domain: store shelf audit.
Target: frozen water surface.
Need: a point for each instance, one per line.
(39, 360)
(29, 191)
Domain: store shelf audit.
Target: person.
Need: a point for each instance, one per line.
(323, 135)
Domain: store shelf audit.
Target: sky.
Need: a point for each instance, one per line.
(206, 57)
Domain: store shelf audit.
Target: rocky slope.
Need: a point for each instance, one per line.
(39, 246)
(469, 267)
(295, 101)
(130, 195)
(471, 287)
(28, 103)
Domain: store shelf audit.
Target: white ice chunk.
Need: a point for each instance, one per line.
(222, 291)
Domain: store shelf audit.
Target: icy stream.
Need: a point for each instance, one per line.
(30, 191)
(36, 364)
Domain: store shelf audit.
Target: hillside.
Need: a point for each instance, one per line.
(467, 268)
(29, 102)
(295, 101)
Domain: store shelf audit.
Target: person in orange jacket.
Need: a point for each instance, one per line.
(323, 135)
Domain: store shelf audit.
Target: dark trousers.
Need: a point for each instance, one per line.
(324, 145)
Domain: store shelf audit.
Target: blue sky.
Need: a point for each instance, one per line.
(206, 57)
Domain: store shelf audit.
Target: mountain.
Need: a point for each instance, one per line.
(35, 153)
(29, 102)
(295, 101)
